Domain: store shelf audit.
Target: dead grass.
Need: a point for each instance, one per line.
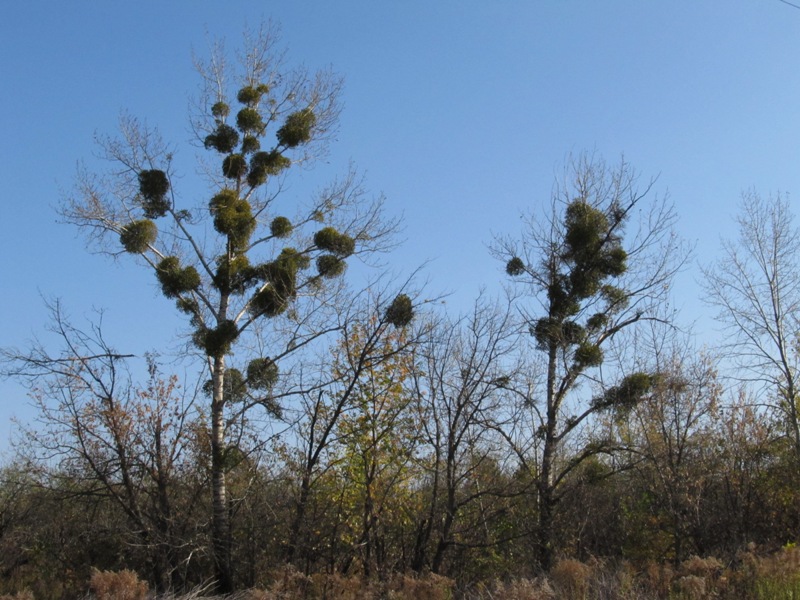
(752, 576)
(117, 585)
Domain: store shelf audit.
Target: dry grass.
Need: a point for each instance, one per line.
(571, 579)
(119, 585)
(752, 576)
(22, 595)
(289, 584)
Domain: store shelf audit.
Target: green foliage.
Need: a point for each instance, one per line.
(572, 332)
(223, 140)
(249, 95)
(586, 228)
(137, 236)
(220, 110)
(297, 128)
(216, 342)
(265, 164)
(515, 266)
(262, 373)
(330, 266)
(234, 166)
(282, 272)
(174, 280)
(188, 306)
(269, 302)
(615, 262)
(234, 388)
(154, 185)
(234, 275)
(616, 297)
(400, 312)
(546, 331)
(597, 321)
(588, 355)
(280, 227)
(593, 249)
(340, 244)
(249, 120)
(233, 217)
(630, 391)
(250, 144)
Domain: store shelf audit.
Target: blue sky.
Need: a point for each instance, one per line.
(460, 112)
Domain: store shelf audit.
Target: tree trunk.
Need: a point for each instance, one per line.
(546, 491)
(220, 528)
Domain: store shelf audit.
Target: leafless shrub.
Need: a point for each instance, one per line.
(691, 587)
(21, 595)
(430, 587)
(571, 578)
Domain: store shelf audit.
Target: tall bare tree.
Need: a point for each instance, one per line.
(756, 287)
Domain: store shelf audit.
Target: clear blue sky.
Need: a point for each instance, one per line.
(458, 111)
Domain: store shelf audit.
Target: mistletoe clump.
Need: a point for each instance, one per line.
(234, 274)
(262, 373)
(515, 266)
(233, 217)
(265, 164)
(250, 144)
(282, 272)
(330, 266)
(234, 166)
(153, 186)
(216, 342)
(250, 95)
(593, 248)
(329, 239)
(280, 227)
(297, 128)
(269, 302)
(629, 392)
(223, 140)
(137, 236)
(400, 311)
(249, 120)
(588, 355)
(175, 280)
(234, 388)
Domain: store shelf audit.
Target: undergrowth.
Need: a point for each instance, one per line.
(749, 576)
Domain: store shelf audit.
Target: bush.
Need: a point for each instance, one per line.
(120, 585)
(571, 578)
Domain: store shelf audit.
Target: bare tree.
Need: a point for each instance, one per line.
(461, 380)
(756, 287)
(671, 434)
(99, 432)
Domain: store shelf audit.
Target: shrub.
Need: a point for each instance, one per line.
(120, 585)
(571, 578)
